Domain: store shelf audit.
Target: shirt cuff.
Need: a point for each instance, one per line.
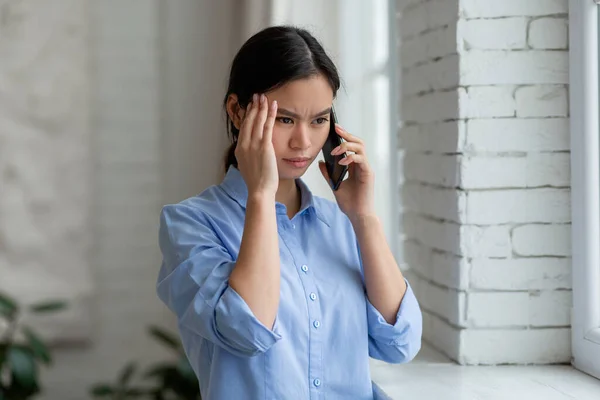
(237, 324)
(408, 319)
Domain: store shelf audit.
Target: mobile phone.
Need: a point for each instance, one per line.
(336, 171)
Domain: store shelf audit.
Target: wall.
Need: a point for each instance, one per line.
(486, 159)
(158, 77)
(45, 162)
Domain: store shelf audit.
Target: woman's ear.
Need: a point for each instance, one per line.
(235, 112)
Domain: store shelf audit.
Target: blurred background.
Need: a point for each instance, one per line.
(110, 109)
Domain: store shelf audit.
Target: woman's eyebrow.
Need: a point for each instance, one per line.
(294, 115)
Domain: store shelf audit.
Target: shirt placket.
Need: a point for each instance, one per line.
(316, 326)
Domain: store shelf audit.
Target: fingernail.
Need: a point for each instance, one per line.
(274, 105)
(255, 98)
(335, 150)
(262, 99)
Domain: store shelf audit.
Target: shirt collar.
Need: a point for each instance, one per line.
(235, 186)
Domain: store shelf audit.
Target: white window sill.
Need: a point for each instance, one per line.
(432, 376)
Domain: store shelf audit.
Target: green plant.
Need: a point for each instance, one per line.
(19, 361)
(163, 381)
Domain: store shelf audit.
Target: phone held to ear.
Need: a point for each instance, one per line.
(336, 171)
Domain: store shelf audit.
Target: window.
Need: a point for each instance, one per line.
(585, 182)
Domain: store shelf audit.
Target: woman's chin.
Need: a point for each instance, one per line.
(287, 171)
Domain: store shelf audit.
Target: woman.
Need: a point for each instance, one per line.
(280, 294)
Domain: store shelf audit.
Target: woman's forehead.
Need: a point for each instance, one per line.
(304, 96)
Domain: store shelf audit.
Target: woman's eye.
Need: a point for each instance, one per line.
(321, 120)
(285, 120)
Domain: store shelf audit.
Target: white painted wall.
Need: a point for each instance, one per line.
(159, 72)
(486, 142)
(45, 162)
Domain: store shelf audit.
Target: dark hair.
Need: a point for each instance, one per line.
(271, 58)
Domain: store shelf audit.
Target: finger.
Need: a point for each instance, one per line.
(346, 135)
(268, 130)
(353, 159)
(261, 118)
(357, 148)
(246, 128)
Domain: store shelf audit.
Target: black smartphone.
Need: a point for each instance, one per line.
(336, 171)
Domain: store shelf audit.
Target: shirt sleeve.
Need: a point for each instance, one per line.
(194, 283)
(398, 343)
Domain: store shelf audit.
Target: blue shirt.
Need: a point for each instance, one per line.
(325, 330)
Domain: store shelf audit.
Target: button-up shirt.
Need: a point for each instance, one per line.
(325, 329)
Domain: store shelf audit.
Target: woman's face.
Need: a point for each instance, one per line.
(302, 123)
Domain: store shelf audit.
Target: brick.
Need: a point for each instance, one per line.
(486, 102)
(511, 8)
(518, 206)
(430, 107)
(436, 137)
(528, 171)
(433, 169)
(504, 346)
(550, 308)
(548, 169)
(405, 4)
(542, 101)
(543, 273)
(438, 235)
(489, 172)
(436, 75)
(496, 67)
(484, 241)
(440, 203)
(428, 15)
(418, 258)
(442, 335)
(450, 270)
(495, 34)
(548, 33)
(518, 135)
(444, 302)
(542, 240)
(410, 140)
(429, 46)
(497, 309)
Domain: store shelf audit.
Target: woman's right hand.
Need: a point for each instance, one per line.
(254, 151)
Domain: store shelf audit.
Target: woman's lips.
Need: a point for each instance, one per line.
(299, 162)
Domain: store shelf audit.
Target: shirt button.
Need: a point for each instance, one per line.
(313, 296)
(304, 268)
(293, 226)
(317, 382)
(316, 324)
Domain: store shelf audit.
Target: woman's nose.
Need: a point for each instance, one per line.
(300, 138)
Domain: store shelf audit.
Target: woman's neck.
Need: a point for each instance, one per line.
(288, 194)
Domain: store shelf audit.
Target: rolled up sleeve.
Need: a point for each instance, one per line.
(194, 284)
(398, 343)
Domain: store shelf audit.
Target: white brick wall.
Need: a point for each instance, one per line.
(132, 82)
(486, 162)
(126, 180)
(45, 163)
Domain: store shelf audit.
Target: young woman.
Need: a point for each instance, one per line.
(280, 294)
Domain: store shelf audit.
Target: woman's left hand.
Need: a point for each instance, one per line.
(355, 196)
